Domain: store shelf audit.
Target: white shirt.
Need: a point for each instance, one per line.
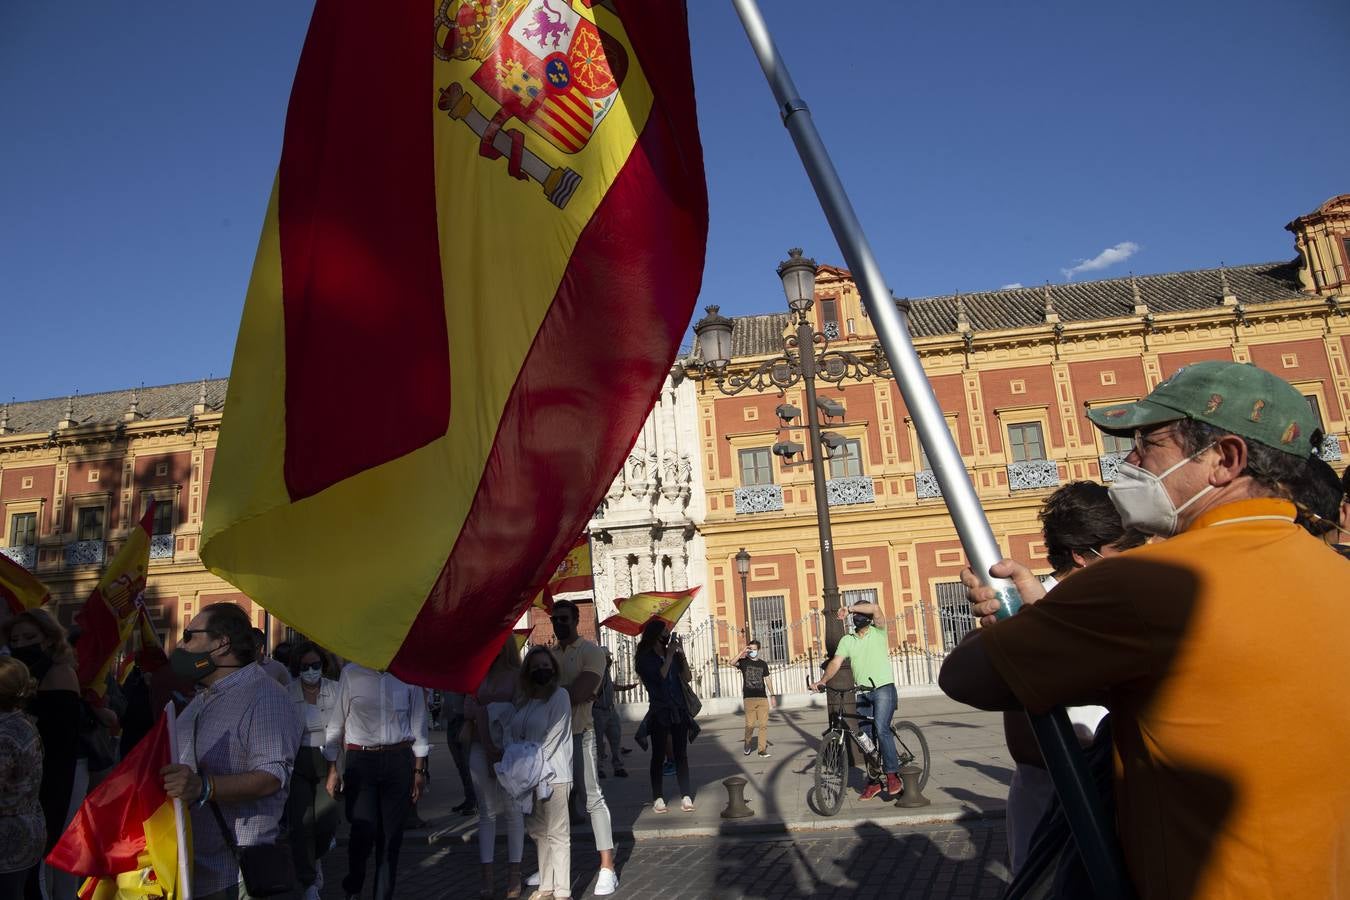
(547, 723)
(316, 715)
(375, 709)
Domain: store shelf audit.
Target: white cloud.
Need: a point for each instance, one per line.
(1108, 257)
(1013, 286)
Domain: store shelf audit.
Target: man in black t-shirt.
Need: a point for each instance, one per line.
(757, 693)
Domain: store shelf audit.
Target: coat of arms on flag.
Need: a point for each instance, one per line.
(542, 64)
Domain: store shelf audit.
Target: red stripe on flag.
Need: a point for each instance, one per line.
(360, 253)
(577, 375)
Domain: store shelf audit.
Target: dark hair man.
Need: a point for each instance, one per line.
(1319, 497)
(1176, 639)
(236, 746)
(756, 695)
(1080, 526)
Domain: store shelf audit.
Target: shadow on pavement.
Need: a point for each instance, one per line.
(1001, 774)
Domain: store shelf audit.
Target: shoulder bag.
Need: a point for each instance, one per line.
(267, 869)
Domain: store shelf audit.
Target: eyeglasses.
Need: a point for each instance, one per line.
(189, 632)
(1144, 437)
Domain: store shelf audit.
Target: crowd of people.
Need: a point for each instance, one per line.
(1163, 629)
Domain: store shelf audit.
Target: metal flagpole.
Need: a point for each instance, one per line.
(1078, 795)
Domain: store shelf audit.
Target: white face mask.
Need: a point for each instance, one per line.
(754, 654)
(1142, 500)
(311, 676)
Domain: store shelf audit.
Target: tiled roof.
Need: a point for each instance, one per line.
(169, 401)
(1073, 302)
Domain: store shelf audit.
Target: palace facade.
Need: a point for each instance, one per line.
(1015, 372)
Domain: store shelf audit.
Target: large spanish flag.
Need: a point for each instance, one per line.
(483, 245)
(112, 609)
(19, 588)
(126, 832)
(636, 611)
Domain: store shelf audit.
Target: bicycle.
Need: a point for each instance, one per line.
(831, 770)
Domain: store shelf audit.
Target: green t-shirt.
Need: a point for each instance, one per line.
(870, 657)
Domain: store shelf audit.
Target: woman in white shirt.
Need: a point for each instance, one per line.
(486, 712)
(544, 717)
(310, 810)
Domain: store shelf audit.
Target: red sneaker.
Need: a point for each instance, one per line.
(893, 785)
(871, 791)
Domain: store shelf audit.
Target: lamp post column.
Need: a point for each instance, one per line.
(834, 629)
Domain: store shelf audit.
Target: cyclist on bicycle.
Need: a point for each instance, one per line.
(869, 654)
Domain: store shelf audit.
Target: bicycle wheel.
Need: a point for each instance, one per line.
(831, 774)
(912, 748)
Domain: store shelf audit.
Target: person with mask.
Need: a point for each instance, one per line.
(311, 811)
(661, 666)
(1080, 527)
(582, 666)
(237, 741)
(869, 655)
(22, 823)
(1174, 639)
(543, 720)
(36, 640)
(486, 711)
(756, 695)
(381, 722)
(273, 668)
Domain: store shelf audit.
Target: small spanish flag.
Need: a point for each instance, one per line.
(19, 589)
(520, 636)
(639, 609)
(544, 600)
(574, 571)
(110, 612)
(125, 836)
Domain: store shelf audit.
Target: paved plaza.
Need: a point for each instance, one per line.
(953, 847)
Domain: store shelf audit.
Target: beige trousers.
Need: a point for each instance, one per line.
(551, 832)
(757, 714)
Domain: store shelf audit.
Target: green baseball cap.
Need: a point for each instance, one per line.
(1237, 397)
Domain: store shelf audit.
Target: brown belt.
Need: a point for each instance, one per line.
(376, 748)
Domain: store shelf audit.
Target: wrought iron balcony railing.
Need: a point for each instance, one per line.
(849, 490)
(24, 554)
(161, 546)
(85, 553)
(1109, 462)
(1331, 447)
(1033, 474)
(926, 484)
(759, 499)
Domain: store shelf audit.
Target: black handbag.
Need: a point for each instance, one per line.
(267, 869)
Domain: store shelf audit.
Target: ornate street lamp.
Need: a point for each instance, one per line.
(743, 569)
(807, 356)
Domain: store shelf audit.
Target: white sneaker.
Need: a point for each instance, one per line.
(533, 880)
(687, 804)
(658, 805)
(607, 883)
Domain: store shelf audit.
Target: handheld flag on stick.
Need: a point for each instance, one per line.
(544, 600)
(520, 636)
(110, 612)
(500, 210)
(19, 588)
(127, 837)
(574, 572)
(639, 609)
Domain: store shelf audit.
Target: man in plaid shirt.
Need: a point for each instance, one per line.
(237, 741)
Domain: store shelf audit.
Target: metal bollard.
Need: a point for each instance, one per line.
(912, 796)
(736, 805)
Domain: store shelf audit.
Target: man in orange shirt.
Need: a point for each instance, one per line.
(1219, 651)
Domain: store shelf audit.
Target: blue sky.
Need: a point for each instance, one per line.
(983, 143)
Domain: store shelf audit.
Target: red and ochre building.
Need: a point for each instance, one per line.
(1015, 372)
